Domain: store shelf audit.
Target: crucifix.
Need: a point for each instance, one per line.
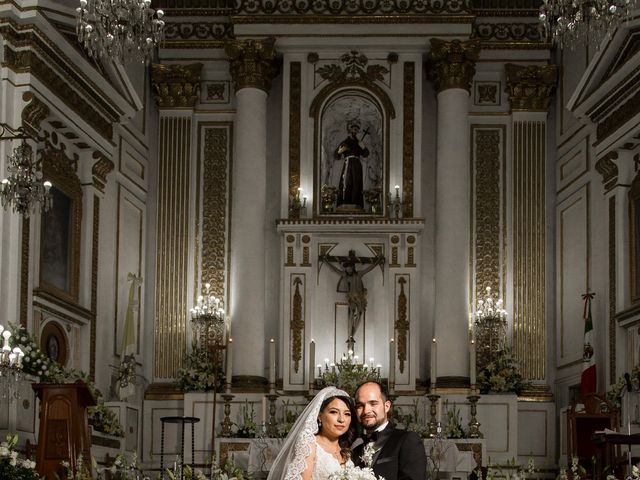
(351, 283)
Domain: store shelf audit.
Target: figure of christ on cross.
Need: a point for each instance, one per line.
(351, 283)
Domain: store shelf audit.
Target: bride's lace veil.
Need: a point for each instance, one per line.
(290, 462)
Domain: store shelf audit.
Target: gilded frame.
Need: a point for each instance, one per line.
(634, 239)
(61, 221)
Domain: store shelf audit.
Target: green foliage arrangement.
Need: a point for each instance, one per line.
(453, 424)
(617, 390)
(501, 373)
(348, 374)
(199, 373)
(12, 466)
(248, 428)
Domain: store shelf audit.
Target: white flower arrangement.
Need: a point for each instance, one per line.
(354, 473)
(368, 454)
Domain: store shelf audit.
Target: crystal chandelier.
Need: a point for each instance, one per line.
(574, 22)
(490, 320)
(126, 30)
(23, 190)
(209, 321)
(10, 366)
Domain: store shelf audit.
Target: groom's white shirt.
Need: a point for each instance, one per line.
(383, 426)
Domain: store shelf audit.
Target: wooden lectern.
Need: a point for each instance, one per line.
(64, 429)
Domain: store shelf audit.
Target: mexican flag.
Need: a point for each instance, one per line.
(588, 379)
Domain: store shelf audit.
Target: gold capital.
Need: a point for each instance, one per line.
(176, 86)
(252, 63)
(530, 87)
(453, 64)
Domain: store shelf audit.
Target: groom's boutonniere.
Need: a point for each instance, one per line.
(368, 453)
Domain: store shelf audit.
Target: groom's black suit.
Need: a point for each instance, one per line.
(400, 455)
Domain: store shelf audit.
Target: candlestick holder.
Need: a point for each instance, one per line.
(297, 206)
(272, 426)
(226, 421)
(395, 204)
(474, 425)
(433, 424)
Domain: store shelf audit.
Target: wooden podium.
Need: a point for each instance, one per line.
(64, 429)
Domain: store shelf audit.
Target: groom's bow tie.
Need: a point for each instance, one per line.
(372, 437)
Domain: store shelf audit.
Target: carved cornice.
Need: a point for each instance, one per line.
(453, 64)
(606, 167)
(176, 86)
(619, 117)
(252, 63)
(33, 113)
(530, 87)
(26, 50)
(346, 8)
(100, 170)
(509, 32)
(219, 32)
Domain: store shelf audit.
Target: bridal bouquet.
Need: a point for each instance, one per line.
(354, 473)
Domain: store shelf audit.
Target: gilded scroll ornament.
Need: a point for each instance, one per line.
(606, 166)
(297, 325)
(530, 87)
(453, 64)
(176, 86)
(100, 170)
(33, 113)
(252, 63)
(508, 32)
(402, 326)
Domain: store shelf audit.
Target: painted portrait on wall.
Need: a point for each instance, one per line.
(55, 266)
(351, 155)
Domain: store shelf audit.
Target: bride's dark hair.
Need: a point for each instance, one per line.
(347, 438)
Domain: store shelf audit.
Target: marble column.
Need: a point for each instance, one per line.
(252, 66)
(452, 67)
(530, 88)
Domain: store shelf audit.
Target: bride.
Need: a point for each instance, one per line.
(320, 441)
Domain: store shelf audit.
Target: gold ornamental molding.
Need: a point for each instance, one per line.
(216, 166)
(176, 86)
(453, 64)
(402, 325)
(297, 324)
(252, 63)
(349, 8)
(196, 34)
(27, 50)
(530, 87)
(486, 155)
(95, 243)
(33, 113)
(295, 115)
(408, 137)
(606, 166)
(101, 168)
(24, 272)
(501, 32)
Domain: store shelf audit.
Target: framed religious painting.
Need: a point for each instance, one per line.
(351, 153)
(54, 343)
(634, 238)
(60, 229)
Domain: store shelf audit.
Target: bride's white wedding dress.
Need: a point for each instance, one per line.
(291, 461)
(326, 464)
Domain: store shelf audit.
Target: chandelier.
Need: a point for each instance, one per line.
(126, 30)
(490, 321)
(10, 366)
(23, 189)
(574, 22)
(209, 321)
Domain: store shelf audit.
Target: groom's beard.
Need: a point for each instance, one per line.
(371, 423)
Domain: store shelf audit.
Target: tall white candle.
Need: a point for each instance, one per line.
(264, 412)
(392, 363)
(439, 410)
(434, 371)
(229, 370)
(312, 363)
(272, 362)
(472, 363)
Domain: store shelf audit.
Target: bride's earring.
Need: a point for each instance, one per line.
(319, 424)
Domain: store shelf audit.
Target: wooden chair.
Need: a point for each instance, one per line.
(597, 413)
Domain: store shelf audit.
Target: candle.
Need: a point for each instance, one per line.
(472, 363)
(272, 363)
(298, 194)
(392, 364)
(433, 362)
(439, 410)
(312, 361)
(397, 187)
(229, 371)
(264, 412)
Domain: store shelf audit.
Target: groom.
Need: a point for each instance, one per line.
(395, 454)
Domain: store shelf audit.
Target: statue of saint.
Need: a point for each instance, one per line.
(351, 149)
